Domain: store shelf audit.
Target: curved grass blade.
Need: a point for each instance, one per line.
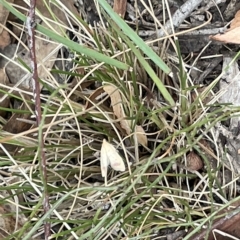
(134, 37)
(72, 45)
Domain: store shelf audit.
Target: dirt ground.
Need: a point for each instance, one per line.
(208, 33)
(206, 57)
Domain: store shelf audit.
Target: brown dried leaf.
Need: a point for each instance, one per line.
(49, 47)
(116, 100)
(46, 51)
(232, 35)
(141, 136)
(8, 218)
(92, 98)
(120, 7)
(14, 125)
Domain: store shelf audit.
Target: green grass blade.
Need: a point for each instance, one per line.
(161, 87)
(134, 37)
(72, 45)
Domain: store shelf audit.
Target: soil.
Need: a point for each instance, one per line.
(189, 44)
(204, 57)
(207, 60)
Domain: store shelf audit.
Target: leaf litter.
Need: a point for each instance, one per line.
(72, 132)
(232, 35)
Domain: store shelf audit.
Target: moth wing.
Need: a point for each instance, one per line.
(104, 160)
(117, 163)
(115, 160)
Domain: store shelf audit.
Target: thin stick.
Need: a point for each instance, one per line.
(179, 16)
(31, 24)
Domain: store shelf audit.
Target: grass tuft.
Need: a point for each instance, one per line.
(158, 192)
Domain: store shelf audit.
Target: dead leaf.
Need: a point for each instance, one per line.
(46, 50)
(120, 7)
(232, 35)
(10, 221)
(116, 101)
(15, 125)
(14, 72)
(8, 218)
(92, 98)
(141, 136)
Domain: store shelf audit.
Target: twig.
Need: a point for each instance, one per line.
(179, 16)
(30, 23)
(227, 223)
(215, 62)
(188, 32)
(209, 5)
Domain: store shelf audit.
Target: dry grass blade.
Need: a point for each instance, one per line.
(132, 152)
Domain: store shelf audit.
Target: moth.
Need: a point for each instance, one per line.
(110, 156)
